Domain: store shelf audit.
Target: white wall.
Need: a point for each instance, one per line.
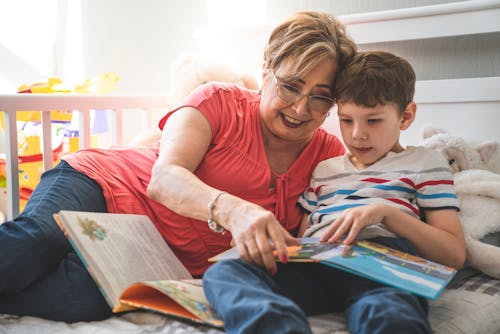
(139, 40)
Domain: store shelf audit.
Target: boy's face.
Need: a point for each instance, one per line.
(370, 133)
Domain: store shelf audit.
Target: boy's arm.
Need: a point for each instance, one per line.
(304, 224)
(446, 240)
(440, 239)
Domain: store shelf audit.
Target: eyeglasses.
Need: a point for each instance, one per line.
(291, 94)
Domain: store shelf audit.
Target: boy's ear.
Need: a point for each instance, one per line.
(408, 115)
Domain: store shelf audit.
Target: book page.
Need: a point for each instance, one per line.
(389, 266)
(304, 252)
(184, 299)
(121, 249)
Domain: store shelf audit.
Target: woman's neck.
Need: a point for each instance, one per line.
(280, 153)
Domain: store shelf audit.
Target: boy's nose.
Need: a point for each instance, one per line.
(358, 132)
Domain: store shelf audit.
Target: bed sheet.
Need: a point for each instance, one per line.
(471, 304)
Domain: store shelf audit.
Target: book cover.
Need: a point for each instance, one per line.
(373, 261)
(133, 266)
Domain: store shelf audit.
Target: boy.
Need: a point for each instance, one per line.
(402, 198)
(379, 188)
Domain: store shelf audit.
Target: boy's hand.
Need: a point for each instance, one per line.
(352, 221)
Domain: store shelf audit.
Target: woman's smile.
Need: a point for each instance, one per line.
(290, 121)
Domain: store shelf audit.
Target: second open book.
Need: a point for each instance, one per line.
(133, 265)
(135, 268)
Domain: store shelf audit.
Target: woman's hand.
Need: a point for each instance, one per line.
(257, 234)
(352, 221)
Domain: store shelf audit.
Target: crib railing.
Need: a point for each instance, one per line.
(83, 104)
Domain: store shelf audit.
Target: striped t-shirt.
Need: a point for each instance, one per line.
(414, 179)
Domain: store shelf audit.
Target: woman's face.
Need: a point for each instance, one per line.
(295, 121)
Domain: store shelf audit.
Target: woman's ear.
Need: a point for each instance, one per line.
(408, 115)
(265, 70)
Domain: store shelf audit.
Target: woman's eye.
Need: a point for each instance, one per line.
(451, 161)
(322, 99)
(291, 88)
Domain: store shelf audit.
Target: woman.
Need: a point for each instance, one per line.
(236, 158)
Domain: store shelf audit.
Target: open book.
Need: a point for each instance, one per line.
(373, 261)
(133, 265)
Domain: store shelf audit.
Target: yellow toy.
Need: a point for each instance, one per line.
(30, 156)
(53, 85)
(103, 84)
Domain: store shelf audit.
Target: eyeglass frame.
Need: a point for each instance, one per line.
(300, 95)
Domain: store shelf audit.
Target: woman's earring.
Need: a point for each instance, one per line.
(327, 114)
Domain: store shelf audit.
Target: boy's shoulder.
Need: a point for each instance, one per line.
(426, 156)
(331, 166)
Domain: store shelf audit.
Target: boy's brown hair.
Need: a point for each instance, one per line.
(376, 77)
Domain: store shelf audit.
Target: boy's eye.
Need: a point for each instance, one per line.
(345, 120)
(374, 120)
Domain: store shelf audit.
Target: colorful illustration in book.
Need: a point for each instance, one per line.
(185, 297)
(92, 229)
(307, 250)
(406, 260)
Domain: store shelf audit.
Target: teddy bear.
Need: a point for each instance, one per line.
(477, 184)
(189, 71)
(461, 154)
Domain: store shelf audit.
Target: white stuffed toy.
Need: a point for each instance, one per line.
(461, 154)
(478, 191)
(479, 194)
(189, 71)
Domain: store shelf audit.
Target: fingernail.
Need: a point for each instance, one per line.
(284, 259)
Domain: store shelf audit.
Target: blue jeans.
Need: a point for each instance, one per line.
(40, 274)
(249, 300)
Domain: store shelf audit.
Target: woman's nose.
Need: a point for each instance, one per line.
(301, 106)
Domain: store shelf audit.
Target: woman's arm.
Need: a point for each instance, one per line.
(185, 140)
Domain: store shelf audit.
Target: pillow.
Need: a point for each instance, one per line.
(492, 239)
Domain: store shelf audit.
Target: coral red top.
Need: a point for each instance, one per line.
(235, 162)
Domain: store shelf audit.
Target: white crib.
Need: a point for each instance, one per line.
(83, 104)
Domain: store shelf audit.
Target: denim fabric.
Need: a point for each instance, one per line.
(40, 275)
(249, 300)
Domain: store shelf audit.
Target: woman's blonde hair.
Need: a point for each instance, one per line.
(306, 39)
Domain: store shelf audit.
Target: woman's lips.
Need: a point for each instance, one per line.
(291, 122)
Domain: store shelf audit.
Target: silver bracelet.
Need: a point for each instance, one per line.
(212, 224)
